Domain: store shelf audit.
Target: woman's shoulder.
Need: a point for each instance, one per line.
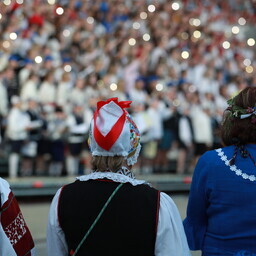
(216, 153)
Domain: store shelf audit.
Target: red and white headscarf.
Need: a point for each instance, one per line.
(113, 132)
(15, 237)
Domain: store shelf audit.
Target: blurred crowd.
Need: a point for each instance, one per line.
(178, 61)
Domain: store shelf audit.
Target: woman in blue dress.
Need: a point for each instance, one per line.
(221, 213)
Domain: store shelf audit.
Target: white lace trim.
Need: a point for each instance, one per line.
(133, 159)
(233, 168)
(111, 176)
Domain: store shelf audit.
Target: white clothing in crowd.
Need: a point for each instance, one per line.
(201, 123)
(47, 93)
(17, 124)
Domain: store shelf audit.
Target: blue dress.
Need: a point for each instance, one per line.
(221, 213)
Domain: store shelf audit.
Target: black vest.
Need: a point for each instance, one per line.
(128, 226)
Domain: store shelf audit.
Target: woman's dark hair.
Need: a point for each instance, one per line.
(235, 130)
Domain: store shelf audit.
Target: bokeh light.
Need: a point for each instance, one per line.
(52, 2)
(184, 35)
(6, 44)
(235, 30)
(136, 25)
(192, 88)
(13, 36)
(132, 41)
(159, 87)
(7, 2)
(19, 1)
(38, 59)
(249, 69)
(90, 20)
(113, 87)
(226, 45)
(196, 22)
(197, 34)
(67, 68)
(146, 37)
(251, 42)
(66, 32)
(151, 8)
(247, 62)
(59, 10)
(175, 6)
(176, 102)
(241, 21)
(143, 15)
(185, 55)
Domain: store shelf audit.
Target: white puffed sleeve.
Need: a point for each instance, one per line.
(171, 239)
(56, 243)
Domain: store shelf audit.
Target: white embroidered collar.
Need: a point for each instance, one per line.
(234, 168)
(117, 177)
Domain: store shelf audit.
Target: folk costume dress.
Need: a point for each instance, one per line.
(221, 213)
(139, 220)
(15, 237)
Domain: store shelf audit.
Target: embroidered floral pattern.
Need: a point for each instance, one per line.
(126, 172)
(117, 177)
(16, 230)
(234, 168)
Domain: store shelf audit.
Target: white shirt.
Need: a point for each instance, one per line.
(17, 122)
(170, 240)
(47, 92)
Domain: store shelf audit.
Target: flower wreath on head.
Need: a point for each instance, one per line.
(241, 113)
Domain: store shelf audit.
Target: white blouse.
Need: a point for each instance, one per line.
(170, 240)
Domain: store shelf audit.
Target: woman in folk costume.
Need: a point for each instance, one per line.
(109, 212)
(15, 237)
(221, 213)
